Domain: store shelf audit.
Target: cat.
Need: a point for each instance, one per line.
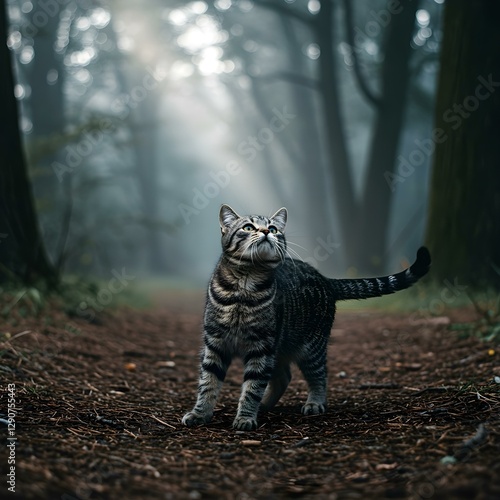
(272, 310)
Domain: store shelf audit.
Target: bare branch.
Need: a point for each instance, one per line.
(362, 83)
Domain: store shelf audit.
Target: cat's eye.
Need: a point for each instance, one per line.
(272, 229)
(248, 227)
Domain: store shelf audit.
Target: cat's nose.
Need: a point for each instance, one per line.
(265, 231)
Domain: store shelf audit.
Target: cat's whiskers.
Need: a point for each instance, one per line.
(297, 245)
(244, 251)
(282, 251)
(292, 251)
(289, 252)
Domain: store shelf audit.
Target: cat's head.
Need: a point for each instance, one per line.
(253, 239)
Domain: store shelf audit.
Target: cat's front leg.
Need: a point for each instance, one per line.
(213, 370)
(258, 371)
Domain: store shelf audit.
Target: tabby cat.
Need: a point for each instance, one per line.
(272, 310)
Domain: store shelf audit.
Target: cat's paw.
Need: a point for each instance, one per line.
(245, 424)
(192, 419)
(313, 409)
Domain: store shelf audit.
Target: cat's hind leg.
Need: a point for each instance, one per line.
(313, 367)
(277, 386)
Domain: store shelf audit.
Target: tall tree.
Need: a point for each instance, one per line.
(22, 252)
(463, 227)
(47, 103)
(47, 76)
(365, 219)
(375, 201)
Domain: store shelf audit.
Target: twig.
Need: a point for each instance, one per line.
(131, 434)
(388, 385)
(20, 335)
(73, 431)
(162, 422)
(431, 389)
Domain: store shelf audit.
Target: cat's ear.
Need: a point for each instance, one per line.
(279, 218)
(226, 217)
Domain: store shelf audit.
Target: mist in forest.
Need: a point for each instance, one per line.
(140, 119)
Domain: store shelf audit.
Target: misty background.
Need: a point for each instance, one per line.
(140, 119)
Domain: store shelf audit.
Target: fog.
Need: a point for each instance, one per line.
(141, 118)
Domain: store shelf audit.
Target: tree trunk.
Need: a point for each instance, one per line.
(463, 229)
(47, 105)
(375, 203)
(311, 164)
(146, 168)
(342, 189)
(22, 253)
(47, 77)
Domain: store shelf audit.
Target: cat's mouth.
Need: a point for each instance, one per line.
(264, 240)
(266, 250)
(261, 250)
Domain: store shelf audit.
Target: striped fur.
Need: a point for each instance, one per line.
(272, 311)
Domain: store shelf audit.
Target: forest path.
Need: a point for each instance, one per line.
(99, 409)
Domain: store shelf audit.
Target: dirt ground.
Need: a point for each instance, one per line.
(414, 412)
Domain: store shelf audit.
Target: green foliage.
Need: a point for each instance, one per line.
(487, 326)
(42, 147)
(18, 302)
(480, 389)
(26, 301)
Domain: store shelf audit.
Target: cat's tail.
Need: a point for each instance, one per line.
(364, 288)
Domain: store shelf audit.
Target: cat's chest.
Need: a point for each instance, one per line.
(241, 319)
(246, 314)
